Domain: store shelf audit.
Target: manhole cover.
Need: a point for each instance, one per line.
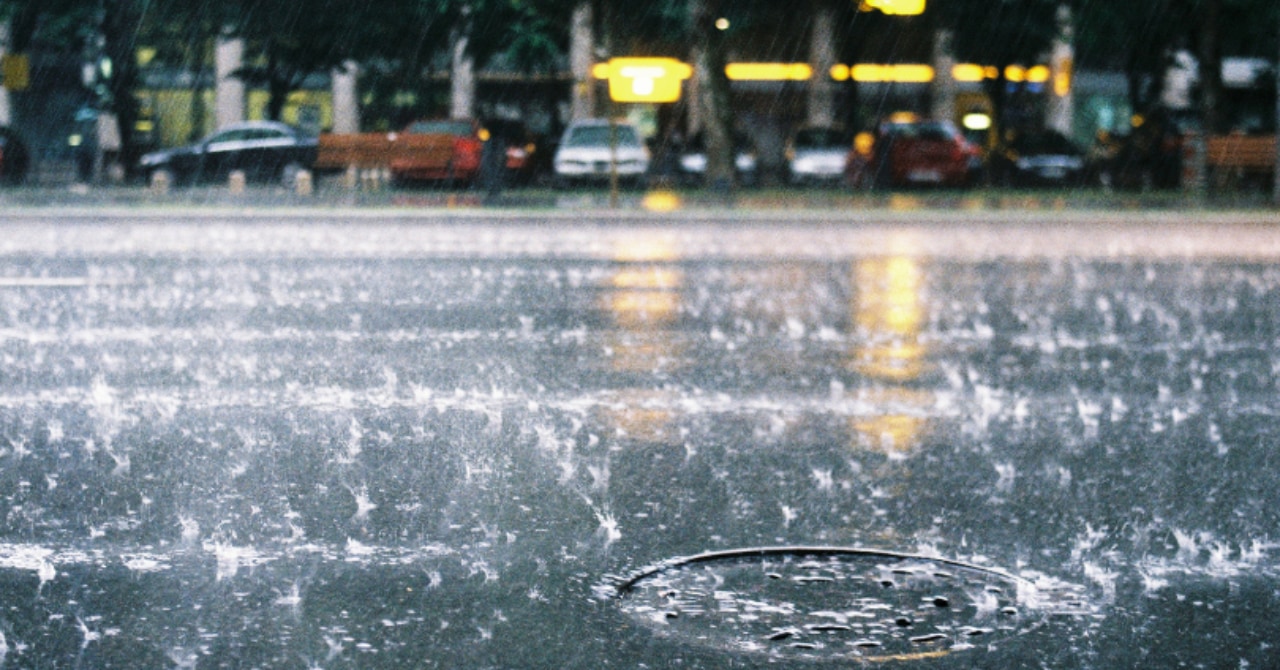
(836, 602)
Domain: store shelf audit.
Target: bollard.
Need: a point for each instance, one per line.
(303, 184)
(236, 182)
(160, 182)
(351, 178)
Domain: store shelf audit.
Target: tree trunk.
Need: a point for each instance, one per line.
(713, 92)
(1210, 67)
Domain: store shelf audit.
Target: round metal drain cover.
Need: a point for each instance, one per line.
(837, 602)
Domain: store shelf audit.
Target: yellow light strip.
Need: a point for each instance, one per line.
(768, 71)
(906, 73)
(972, 72)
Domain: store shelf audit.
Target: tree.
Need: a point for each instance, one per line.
(999, 33)
(104, 32)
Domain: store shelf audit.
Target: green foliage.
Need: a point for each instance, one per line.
(999, 32)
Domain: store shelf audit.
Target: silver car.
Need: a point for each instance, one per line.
(592, 149)
(817, 155)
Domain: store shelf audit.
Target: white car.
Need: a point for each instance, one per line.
(586, 153)
(817, 155)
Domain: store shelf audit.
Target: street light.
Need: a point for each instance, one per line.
(896, 7)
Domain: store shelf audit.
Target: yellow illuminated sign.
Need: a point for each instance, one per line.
(898, 7)
(643, 79)
(16, 71)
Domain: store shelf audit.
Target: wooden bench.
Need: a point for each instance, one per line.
(1240, 161)
(382, 150)
(1250, 152)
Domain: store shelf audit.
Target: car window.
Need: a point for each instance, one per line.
(235, 135)
(458, 128)
(596, 136)
(935, 132)
(267, 134)
(1047, 143)
(821, 137)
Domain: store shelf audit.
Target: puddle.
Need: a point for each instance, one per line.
(837, 602)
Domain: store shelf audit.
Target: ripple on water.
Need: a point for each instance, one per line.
(834, 602)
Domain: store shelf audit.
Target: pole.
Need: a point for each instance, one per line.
(1275, 191)
(613, 158)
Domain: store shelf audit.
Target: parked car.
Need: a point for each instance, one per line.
(520, 147)
(693, 160)
(15, 160)
(589, 148)
(1041, 158)
(917, 152)
(263, 150)
(457, 160)
(817, 155)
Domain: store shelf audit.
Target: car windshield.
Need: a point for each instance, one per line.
(596, 136)
(459, 128)
(932, 131)
(1046, 143)
(817, 138)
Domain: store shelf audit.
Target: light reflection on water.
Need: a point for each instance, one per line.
(366, 463)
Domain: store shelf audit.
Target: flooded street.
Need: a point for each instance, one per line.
(491, 440)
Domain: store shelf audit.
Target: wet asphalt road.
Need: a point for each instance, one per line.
(340, 439)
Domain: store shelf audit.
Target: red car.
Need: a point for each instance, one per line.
(916, 153)
(447, 150)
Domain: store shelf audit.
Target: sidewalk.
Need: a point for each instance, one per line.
(331, 195)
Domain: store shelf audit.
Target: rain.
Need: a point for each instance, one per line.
(900, 333)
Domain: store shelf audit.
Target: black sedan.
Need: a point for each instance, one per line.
(263, 150)
(1042, 158)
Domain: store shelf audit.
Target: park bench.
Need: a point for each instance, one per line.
(1241, 160)
(341, 151)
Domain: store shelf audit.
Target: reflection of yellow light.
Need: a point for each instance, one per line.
(661, 201)
(903, 421)
(903, 73)
(768, 71)
(644, 297)
(639, 414)
(645, 247)
(890, 314)
(647, 278)
(905, 203)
